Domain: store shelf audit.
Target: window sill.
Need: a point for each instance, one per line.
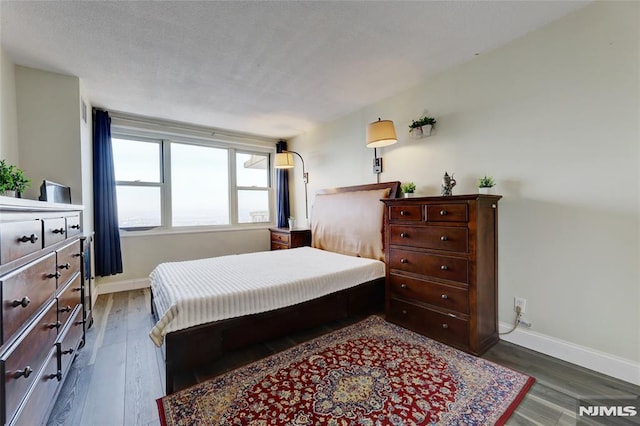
(193, 230)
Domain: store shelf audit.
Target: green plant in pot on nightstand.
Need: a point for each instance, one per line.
(408, 188)
(12, 180)
(486, 184)
(421, 128)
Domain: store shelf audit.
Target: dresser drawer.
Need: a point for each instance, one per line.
(73, 225)
(68, 298)
(431, 237)
(68, 262)
(278, 237)
(445, 328)
(430, 265)
(69, 341)
(24, 291)
(35, 408)
(444, 296)
(278, 246)
(54, 230)
(447, 213)
(405, 213)
(21, 363)
(19, 239)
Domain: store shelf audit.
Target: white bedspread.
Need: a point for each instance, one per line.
(200, 291)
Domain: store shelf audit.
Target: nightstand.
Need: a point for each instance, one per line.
(285, 238)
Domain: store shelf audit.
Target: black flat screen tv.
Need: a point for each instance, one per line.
(55, 192)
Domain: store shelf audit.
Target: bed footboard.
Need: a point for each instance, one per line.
(194, 347)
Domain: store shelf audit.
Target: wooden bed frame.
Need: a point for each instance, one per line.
(186, 350)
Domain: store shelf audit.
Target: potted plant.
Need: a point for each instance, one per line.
(292, 222)
(422, 127)
(12, 180)
(485, 184)
(408, 188)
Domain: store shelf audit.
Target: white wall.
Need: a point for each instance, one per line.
(8, 114)
(49, 129)
(86, 156)
(554, 117)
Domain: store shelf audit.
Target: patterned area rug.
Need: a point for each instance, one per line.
(370, 373)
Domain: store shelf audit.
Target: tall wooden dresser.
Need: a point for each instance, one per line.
(42, 321)
(442, 268)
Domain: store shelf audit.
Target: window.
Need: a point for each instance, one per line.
(199, 185)
(252, 182)
(138, 171)
(169, 183)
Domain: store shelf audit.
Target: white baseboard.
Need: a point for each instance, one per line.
(115, 287)
(602, 362)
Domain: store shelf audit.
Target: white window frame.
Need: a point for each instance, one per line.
(165, 178)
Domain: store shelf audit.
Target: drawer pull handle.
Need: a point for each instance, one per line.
(403, 286)
(403, 260)
(56, 324)
(79, 322)
(23, 373)
(32, 239)
(404, 312)
(77, 255)
(445, 325)
(444, 296)
(75, 226)
(24, 302)
(443, 212)
(404, 213)
(444, 238)
(58, 376)
(65, 309)
(444, 267)
(76, 289)
(403, 235)
(56, 275)
(65, 266)
(58, 231)
(68, 351)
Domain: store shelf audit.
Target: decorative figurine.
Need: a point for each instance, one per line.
(448, 182)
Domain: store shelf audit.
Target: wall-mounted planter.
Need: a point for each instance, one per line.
(421, 132)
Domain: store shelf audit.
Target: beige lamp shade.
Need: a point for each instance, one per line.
(284, 160)
(381, 133)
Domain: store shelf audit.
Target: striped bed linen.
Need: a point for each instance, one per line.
(196, 292)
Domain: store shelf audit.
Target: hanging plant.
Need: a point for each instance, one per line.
(424, 121)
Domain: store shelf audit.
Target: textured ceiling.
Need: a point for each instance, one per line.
(274, 68)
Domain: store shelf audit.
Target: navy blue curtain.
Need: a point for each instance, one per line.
(108, 256)
(282, 191)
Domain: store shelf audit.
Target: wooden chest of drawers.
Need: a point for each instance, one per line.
(442, 268)
(284, 238)
(41, 316)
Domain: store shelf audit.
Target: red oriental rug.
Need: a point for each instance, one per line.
(370, 373)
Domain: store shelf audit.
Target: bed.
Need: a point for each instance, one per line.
(207, 307)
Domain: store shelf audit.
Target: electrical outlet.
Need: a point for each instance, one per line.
(519, 301)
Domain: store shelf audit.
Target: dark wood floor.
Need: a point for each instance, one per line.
(118, 375)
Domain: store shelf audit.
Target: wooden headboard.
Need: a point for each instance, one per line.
(393, 186)
(350, 220)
